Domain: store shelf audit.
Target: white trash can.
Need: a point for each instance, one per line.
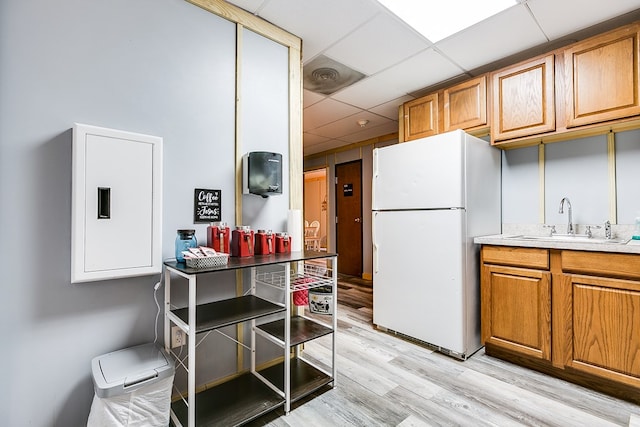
(132, 387)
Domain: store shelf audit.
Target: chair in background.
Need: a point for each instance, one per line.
(311, 239)
(323, 243)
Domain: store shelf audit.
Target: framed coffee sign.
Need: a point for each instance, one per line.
(207, 205)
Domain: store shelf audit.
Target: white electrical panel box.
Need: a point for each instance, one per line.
(116, 212)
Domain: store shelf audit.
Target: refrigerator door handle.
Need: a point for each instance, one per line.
(375, 245)
(375, 163)
(373, 179)
(375, 258)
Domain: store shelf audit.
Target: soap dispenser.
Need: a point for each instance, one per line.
(636, 230)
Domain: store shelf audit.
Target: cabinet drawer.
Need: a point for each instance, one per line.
(524, 257)
(625, 266)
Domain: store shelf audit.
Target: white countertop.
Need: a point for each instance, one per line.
(631, 247)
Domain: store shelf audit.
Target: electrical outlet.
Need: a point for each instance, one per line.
(178, 337)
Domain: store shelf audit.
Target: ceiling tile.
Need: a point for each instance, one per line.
(552, 14)
(309, 98)
(248, 5)
(348, 125)
(319, 23)
(497, 37)
(369, 50)
(311, 139)
(371, 132)
(326, 111)
(390, 109)
(324, 146)
(420, 71)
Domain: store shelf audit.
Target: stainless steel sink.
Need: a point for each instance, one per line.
(569, 238)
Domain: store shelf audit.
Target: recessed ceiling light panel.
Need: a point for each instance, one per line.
(439, 20)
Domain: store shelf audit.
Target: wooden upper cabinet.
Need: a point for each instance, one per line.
(421, 117)
(523, 99)
(602, 77)
(465, 105)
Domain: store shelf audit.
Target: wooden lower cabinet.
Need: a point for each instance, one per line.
(516, 309)
(605, 340)
(603, 294)
(576, 318)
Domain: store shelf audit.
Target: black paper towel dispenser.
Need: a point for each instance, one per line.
(262, 173)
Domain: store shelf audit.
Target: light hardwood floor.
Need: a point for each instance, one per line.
(386, 381)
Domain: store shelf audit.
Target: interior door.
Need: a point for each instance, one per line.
(349, 217)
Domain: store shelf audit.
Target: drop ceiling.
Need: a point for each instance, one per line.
(400, 65)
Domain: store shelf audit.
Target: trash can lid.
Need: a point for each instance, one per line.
(130, 368)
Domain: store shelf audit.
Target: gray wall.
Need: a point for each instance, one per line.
(265, 124)
(628, 176)
(160, 67)
(265, 127)
(520, 185)
(579, 170)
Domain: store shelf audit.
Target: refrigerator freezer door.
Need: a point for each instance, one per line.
(418, 275)
(425, 173)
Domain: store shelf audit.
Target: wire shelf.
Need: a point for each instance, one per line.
(313, 276)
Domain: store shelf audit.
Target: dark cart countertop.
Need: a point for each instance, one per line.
(253, 261)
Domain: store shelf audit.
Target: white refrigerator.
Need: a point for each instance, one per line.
(430, 198)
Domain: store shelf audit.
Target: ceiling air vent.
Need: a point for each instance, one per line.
(326, 76)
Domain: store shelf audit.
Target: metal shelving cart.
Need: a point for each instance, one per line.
(254, 392)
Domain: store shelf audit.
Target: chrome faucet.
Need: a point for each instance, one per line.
(570, 223)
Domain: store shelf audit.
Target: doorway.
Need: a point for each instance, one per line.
(315, 209)
(349, 217)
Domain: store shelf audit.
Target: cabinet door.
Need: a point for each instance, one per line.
(605, 315)
(523, 99)
(602, 77)
(421, 117)
(465, 105)
(516, 310)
